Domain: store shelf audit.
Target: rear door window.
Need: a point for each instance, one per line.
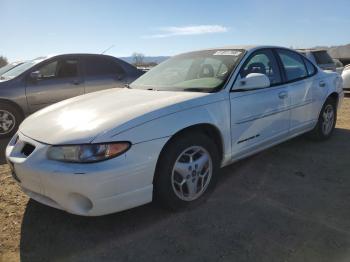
(100, 66)
(293, 65)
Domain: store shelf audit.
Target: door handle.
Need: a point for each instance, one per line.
(283, 95)
(322, 83)
(76, 82)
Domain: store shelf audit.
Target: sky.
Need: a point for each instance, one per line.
(166, 27)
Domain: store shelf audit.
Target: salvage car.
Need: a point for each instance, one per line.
(46, 80)
(338, 65)
(166, 135)
(320, 57)
(8, 67)
(346, 77)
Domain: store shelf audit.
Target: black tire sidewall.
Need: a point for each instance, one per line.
(163, 190)
(319, 130)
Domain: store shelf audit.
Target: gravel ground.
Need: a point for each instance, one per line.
(289, 203)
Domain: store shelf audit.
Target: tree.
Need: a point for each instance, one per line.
(138, 58)
(3, 61)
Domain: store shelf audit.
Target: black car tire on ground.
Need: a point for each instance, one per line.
(319, 132)
(10, 119)
(164, 182)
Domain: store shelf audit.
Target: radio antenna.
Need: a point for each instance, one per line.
(107, 49)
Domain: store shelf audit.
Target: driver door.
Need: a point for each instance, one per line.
(259, 117)
(58, 79)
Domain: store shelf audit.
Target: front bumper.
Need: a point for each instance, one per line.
(85, 189)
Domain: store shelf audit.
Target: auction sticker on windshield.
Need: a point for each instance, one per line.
(228, 52)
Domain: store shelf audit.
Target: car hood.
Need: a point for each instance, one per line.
(81, 119)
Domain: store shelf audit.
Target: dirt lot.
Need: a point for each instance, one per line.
(289, 203)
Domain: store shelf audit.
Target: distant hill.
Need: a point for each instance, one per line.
(340, 51)
(147, 59)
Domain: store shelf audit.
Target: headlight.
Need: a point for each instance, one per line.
(88, 152)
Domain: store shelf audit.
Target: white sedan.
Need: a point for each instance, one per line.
(167, 134)
(346, 78)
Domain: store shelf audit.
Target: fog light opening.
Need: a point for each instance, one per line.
(79, 203)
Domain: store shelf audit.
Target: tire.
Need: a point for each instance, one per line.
(10, 118)
(196, 183)
(326, 124)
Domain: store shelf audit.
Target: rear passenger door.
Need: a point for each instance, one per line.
(259, 117)
(102, 73)
(300, 85)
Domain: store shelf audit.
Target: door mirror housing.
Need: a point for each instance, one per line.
(253, 81)
(35, 75)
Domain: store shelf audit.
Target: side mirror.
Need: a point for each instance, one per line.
(253, 81)
(35, 75)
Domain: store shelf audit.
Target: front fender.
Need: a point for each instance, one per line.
(216, 114)
(14, 91)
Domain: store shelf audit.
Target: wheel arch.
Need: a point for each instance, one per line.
(9, 102)
(208, 129)
(333, 95)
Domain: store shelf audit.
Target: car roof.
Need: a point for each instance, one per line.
(77, 54)
(43, 58)
(242, 47)
(311, 49)
(124, 64)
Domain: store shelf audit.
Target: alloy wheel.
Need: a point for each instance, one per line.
(7, 122)
(192, 173)
(328, 120)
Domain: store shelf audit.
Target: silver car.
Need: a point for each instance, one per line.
(38, 83)
(9, 67)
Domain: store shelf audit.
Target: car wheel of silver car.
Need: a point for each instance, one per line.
(326, 121)
(186, 171)
(10, 118)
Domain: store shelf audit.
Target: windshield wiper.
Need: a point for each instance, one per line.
(193, 89)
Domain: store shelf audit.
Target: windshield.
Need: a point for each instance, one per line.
(6, 68)
(19, 69)
(202, 71)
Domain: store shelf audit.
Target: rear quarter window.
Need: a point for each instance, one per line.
(99, 66)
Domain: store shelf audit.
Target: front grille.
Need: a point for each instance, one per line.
(27, 149)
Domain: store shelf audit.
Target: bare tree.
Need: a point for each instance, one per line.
(3, 61)
(138, 58)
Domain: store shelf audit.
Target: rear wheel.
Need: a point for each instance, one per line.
(326, 121)
(10, 118)
(186, 171)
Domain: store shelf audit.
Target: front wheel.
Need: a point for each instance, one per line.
(186, 171)
(326, 121)
(10, 118)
